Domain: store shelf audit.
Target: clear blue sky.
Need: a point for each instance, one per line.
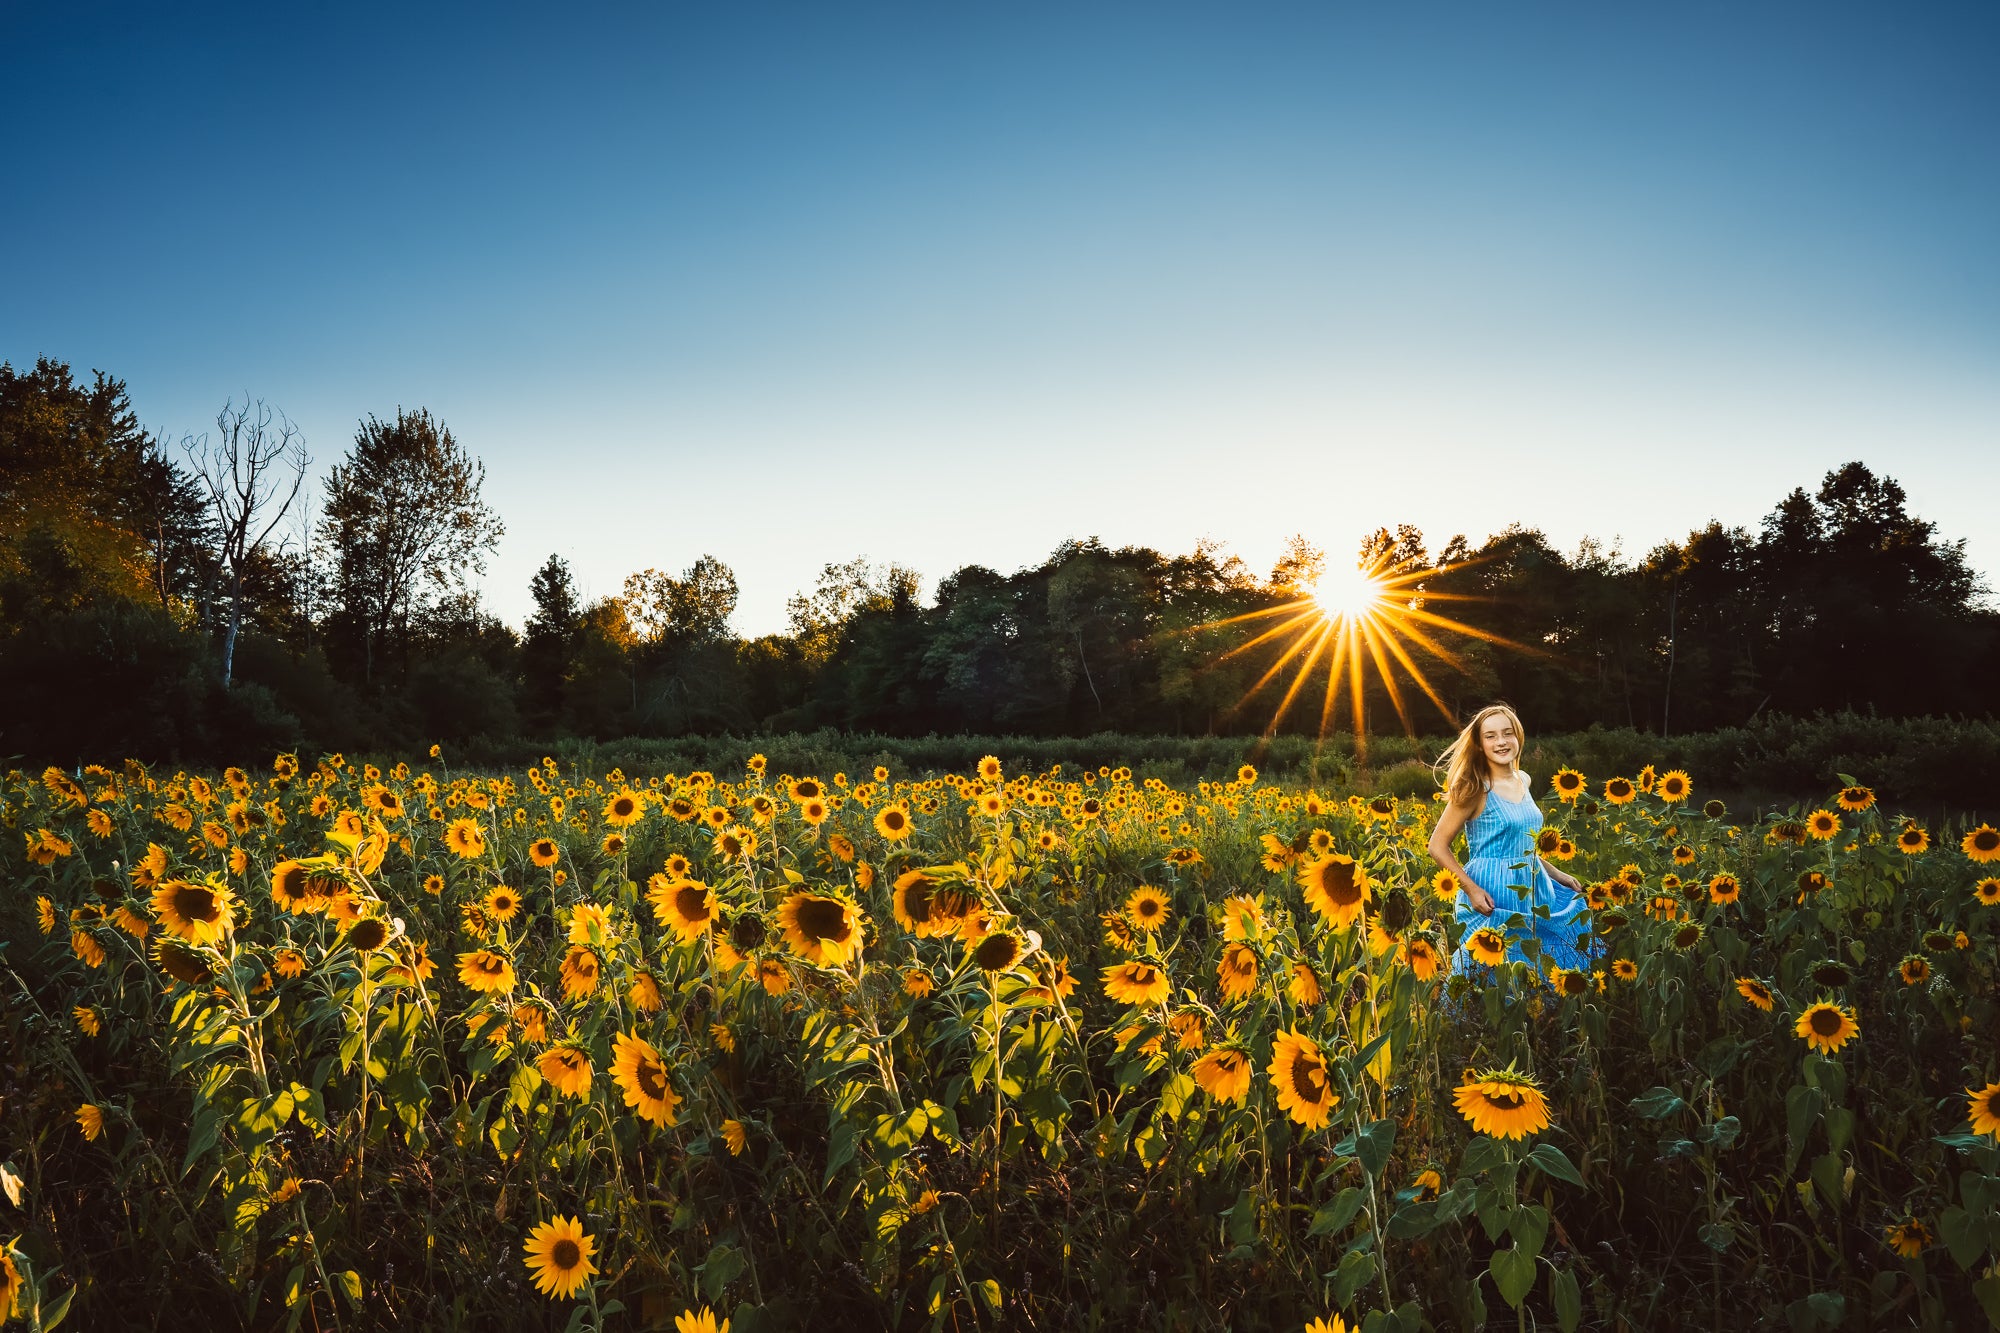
(946, 284)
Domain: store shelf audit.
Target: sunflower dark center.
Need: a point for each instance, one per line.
(195, 903)
(1826, 1022)
(1337, 879)
(565, 1253)
(996, 952)
(1986, 840)
(1309, 1078)
(691, 901)
(893, 819)
(368, 935)
(1506, 1101)
(1143, 975)
(824, 919)
(651, 1078)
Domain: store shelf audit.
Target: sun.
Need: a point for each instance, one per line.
(1350, 622)
(1341, 593)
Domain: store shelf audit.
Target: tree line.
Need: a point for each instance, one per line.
(195, 599)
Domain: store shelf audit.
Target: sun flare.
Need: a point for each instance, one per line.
(1372, 619)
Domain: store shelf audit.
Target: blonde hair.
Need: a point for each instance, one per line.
(1466, 770)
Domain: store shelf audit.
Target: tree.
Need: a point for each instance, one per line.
(404, 525)
(551, 635)
(251, 472)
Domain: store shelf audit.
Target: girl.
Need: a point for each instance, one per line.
(1504, 883)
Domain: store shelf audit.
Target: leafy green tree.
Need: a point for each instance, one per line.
(404, 525)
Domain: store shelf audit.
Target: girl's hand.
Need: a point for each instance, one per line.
(1481, 900)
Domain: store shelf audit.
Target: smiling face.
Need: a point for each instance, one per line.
(1499, 743)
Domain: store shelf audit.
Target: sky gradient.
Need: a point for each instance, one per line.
(790, 285)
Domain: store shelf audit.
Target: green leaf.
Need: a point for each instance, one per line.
(1963, 1234)
(1514, 1274)
(1372, 1144)
(1553, 1162)
(1333, 1217)
(1718, 1236)
(1987, 1289)
(989, 1291)
(1483, 1154)
(1827, 1171)
(1357, 1269)
(724, 1264)
(1413, 1220)
(1530, 1226)
(1658, 1103)
(348, 1284)
(1839, 1128)
(899, 1133)
(1568, 1300)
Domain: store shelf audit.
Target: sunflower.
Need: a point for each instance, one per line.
(1241, 915)
(917, 983)
(1148, 907)
(687, 908)
(916, 905)
(1299, 1072)
(1423, 957)
(989, 768)
(90, 1119)
(1724, 889)
(1568, 783)
(1620, 791)
(1686, 936)
(1190, 1029)
(1502, 1104)
(1547, 840)
(1137, 983)
(1444, 886)
(806, 789)
(642, 1076)
(503, 903)
(434, 885)
(1336, 887)
(87, 1020)
(1915, 970)
(735, 843)
(1827, 1026)
(1756, 992)
(1236, 971)
(623, 809)
(1982, 1112)
(1224, 1074)
(998, 951)
(1624, 969)
(567, 1068)
(1488, 945)
(559, 1257)
(463, 836)
(295, 889)
(1909, 1238)
(1831, 972)
(1855, 799)
(823, 930)
(580, 971)
(893, 821)
(1987, 891)
(544, 852)
(201, 914)
(1567, 983)
(1277, 853)
(1331, 1324)
(367, 934)
(1673, 785)
(704, 1320)
(1811, 882)
(1982, 844)
(486, 971)
(613, 844)
(1822, 824)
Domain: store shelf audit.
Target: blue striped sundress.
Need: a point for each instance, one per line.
(1500, 841)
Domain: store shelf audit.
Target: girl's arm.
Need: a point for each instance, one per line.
(1449, 823)
(1562, 877)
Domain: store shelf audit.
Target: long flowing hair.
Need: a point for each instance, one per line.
(1466, 770)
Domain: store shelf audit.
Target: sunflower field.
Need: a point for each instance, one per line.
(333, 1045)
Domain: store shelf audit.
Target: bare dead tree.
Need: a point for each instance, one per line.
(252, 472)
